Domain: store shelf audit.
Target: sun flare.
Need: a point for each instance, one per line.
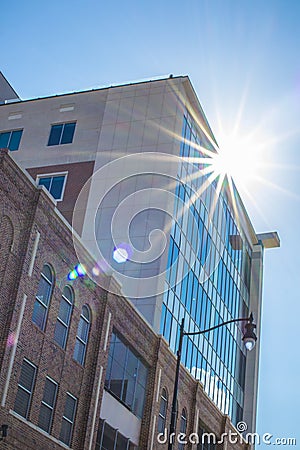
(238, 158)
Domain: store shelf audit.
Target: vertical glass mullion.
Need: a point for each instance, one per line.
(124, 371)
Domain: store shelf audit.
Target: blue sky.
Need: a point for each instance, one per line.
(242, 58)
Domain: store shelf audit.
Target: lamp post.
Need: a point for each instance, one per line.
(249, 339)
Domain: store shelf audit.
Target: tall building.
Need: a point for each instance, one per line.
(129, 168)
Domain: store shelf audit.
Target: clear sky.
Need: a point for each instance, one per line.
(243, 59)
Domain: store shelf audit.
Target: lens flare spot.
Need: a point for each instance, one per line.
(122, 253)
(81, 270)
(72, 275)
(78, 271)
(96, 271)
(11, 340)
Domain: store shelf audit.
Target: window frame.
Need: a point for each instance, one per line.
(58, 319)
(139, 375)
(67, 419)
(24, 389)
(61, 133)
(46, 405)
(182, 427)
(39, 301)
(53, 175)
(78, 338)
(116, 433)
(163, 418)
(10, 137)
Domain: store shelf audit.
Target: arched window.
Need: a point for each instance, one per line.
(64, 316)
(42, 299)
(183, 426)
(82, 335)
(162, 411)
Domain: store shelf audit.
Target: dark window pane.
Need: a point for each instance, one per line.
(45, 182)
(15, 140)
(57, 187)
(160, 424)
(47, 273)
(65, 432)
(25, 388)
(27, 376)
(83, 329)
(120, 352)
(4, 138)
(139, 399)
(39, 314)
(67, 292)
(49, 392)
(128, 390)
(70, 408)
(45, 418)
(117, 371)
(44, 291)
(108, 440)
(79, 351)
(22, 403)
(132, 364)
(60, 334)
(142, 374)
(64, 311)
(85, 312)
(68, 420)
(55, 134)
(121, 442)
(68, 133)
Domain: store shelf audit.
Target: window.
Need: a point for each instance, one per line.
(62, 133)
(54, 183)
(108, 438)
(207, 440)
(42, 299)
(68, 419)
(183, 425)
(25, 388)
(126, 375)
(82, 335)
(11, 139)
(64, 315)
(48, 403)
(162, 411)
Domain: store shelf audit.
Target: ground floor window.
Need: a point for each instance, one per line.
(110, 439)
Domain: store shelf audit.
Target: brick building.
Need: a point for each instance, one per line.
(60, 340)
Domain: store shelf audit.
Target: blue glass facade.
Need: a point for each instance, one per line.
(217, 247)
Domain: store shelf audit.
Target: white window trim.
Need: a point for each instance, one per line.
(54, 174)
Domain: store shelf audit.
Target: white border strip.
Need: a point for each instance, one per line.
(96, 407)
(34, 252)
(107, 331)
(158, 385)
(13, 352)
(153, 432)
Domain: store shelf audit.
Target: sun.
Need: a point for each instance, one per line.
(238, 158)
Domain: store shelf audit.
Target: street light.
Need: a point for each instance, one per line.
(249, 339)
